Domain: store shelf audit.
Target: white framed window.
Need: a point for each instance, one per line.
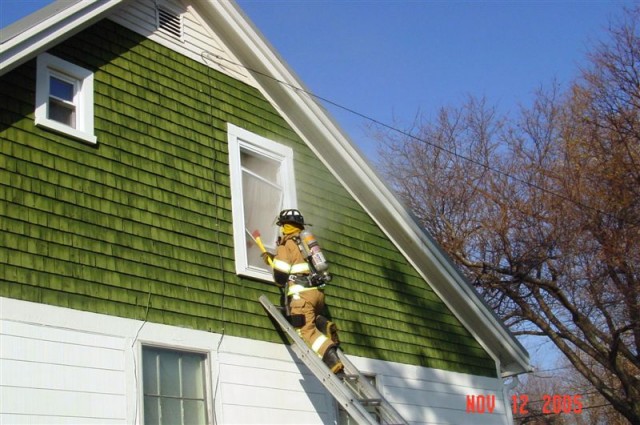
(262, 184)
(174, 387)
(64, 98)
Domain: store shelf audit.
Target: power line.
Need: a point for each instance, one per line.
(552, 370)
(408, 135)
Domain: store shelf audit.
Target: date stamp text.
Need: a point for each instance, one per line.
(554, 404)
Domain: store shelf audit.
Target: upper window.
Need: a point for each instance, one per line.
(174, 387)
(64, 98)
(262, 184)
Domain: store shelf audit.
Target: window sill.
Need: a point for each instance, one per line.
(66, 130)
(255, 273)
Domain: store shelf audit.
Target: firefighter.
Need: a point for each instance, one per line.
(296, 266)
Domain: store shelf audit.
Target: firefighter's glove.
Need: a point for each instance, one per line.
(267, 257)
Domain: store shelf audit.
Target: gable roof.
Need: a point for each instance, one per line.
(62, 19)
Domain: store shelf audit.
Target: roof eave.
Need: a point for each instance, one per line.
(48, 27)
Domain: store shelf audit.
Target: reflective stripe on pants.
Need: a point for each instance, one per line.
(310, 304)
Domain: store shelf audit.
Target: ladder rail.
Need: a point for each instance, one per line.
(387, 412)
(328, 379)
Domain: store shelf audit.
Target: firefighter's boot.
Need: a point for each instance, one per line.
(332, 360)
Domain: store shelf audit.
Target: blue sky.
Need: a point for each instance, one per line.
(390, 59)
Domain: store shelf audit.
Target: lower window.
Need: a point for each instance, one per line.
(174, 387)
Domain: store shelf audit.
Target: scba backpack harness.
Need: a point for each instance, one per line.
(318, 264)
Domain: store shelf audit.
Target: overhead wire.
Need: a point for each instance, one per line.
(217, 232)
(411, 136)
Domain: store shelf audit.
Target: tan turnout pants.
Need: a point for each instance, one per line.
(310, 304)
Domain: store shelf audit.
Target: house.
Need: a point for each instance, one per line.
(139, 140)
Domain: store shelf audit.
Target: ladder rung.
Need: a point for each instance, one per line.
(346, 377)
(370, 401)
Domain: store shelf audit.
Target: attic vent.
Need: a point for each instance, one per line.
(170, 22)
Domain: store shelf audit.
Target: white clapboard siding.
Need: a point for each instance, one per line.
(268, 378)
(9, 419)
(199, 42)
(433, 396)
(62, 366)
(62, 404)
(242, 415)
(66, 374)
(30, 342)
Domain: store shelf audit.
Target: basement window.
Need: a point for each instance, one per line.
(262, 184)
(174, 387)
(64, 98)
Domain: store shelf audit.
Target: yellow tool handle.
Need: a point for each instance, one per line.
(256, 238)
(260, 244)
(263, 249)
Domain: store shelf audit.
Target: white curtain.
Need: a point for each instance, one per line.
(263, 197)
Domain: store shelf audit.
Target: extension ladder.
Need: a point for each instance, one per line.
(351, 389)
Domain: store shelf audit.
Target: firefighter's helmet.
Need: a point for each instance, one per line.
(290, 216)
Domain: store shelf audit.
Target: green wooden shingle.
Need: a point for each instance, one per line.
(140, 226)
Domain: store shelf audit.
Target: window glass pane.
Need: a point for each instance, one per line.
(173, 386)
(192, 374)
(61, 89)
(170, 411)
(62, 112)
(169, 374)
(194, 412)
(263, 198)
(262, 202)
(262, 166)
(150, 372)
(151, 410)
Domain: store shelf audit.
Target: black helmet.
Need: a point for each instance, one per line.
(290, 216)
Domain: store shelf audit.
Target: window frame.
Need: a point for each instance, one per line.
(206, 373)
(240, 140)
(82, 79)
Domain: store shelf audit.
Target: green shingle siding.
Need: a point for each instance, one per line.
(139, 226)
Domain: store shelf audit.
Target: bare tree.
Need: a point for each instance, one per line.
(536, 392)
(561, 396)
(596, 410)
(542, 212)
